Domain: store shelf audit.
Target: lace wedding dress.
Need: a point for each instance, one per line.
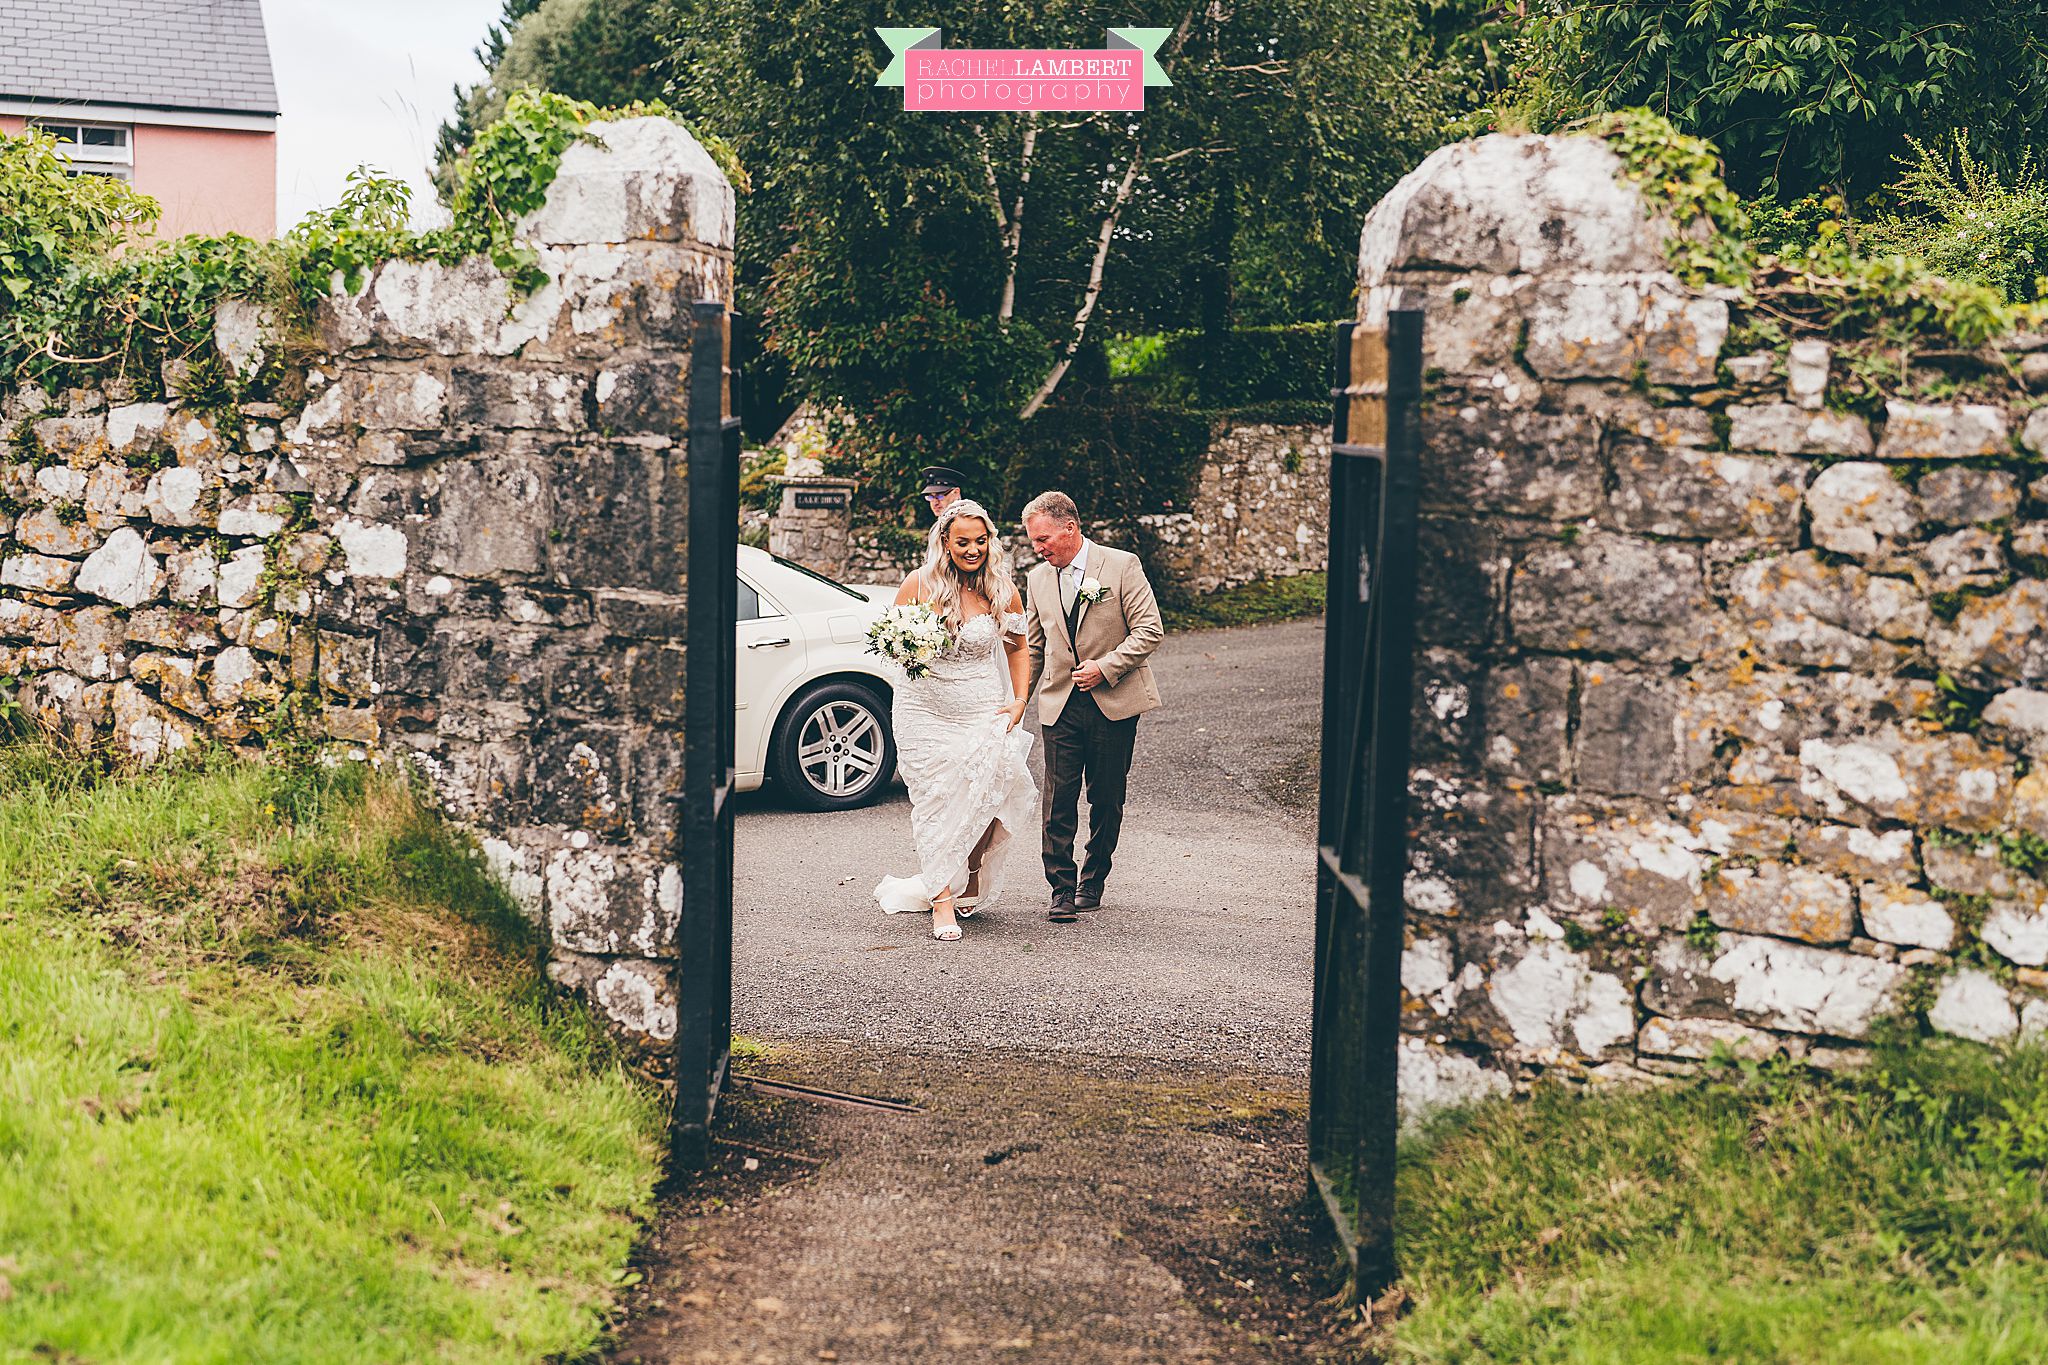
(963, 767)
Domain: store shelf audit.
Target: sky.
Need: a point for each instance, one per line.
(367, 82)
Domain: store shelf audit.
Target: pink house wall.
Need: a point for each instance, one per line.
(207, 179)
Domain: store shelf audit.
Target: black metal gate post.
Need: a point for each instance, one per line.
(1362, 828)
(704, 938)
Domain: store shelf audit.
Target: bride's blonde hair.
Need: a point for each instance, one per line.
(944, 584)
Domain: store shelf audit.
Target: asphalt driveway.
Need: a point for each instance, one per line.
(1202, 951)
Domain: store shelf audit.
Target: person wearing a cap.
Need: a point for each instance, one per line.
(941, 487)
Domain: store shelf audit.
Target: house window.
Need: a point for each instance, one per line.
(93, 148)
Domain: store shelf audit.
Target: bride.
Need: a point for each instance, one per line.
(960, 742)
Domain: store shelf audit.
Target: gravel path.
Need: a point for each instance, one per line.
(1080, 1212)
(1203, 950)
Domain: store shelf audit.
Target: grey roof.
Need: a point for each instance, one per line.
(167, 54)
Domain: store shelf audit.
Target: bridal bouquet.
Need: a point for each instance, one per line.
(910, 635)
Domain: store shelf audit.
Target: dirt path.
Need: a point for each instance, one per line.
(1030, 1212)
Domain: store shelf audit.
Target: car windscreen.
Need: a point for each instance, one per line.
(814, 574)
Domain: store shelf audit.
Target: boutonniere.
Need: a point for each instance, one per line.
(1092, 591)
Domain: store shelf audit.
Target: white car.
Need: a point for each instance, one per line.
(813, 704)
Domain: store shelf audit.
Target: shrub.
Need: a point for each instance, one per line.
(758, 488)
(1785, 229)
(86, 299)
(1804, 95)
(1819, 280)
(925, 380)
(1891, 298)
(1972, 224)
(53, 227)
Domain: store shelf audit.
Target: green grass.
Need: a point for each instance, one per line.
(1896, 1216)
(1268, 599)
(280, 1081)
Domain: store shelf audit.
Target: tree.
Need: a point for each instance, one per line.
(1802, 95)
(1011, 242)
(867, 245)
(605, 51)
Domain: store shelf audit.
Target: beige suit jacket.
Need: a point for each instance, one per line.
(1118, 633)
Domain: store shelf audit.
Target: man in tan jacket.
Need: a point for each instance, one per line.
(1092, 623)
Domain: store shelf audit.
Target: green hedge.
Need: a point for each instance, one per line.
(1117, 459)
(1246, 365)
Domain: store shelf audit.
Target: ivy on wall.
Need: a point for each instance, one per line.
(1824, 285)
(91, 299)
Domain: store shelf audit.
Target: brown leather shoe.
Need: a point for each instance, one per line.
(1061, 911)
(1087, 900)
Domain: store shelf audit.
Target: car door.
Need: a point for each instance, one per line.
(769, 660)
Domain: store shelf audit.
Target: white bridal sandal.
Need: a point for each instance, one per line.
(952, 932)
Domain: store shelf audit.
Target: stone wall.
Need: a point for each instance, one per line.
(1260, 510)
(461, 544)
(1685, 777)
(873, 556)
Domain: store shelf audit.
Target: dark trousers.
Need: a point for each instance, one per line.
(1084, 745)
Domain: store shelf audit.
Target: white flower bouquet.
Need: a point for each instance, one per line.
(911, 636)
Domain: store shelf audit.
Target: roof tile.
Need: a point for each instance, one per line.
(174, 54)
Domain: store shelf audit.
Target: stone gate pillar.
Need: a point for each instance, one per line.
(1730, 699)
(1549, 309)
(505, 479)
(814, 525)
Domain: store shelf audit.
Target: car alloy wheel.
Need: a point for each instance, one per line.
(840, 749)
(833, 749)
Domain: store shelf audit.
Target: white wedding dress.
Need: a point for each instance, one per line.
(964, 768)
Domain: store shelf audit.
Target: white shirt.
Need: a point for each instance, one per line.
(1072, 576)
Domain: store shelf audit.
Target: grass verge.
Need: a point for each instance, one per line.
(1268, 599)
(280, 1081)
(1895, 1215)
